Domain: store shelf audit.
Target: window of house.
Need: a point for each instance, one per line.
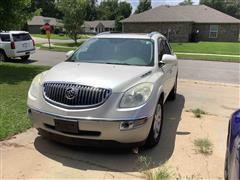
(213, 33)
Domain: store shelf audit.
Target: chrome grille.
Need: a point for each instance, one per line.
(74, 95)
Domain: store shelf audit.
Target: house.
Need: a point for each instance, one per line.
(34, 25)
(98, 26)
(180, 23)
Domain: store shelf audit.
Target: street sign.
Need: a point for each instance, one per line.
(47, 29)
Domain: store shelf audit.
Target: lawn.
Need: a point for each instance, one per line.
(226, 48)
(53, 36)
(61, 37)
(65, 47)
(15, 80)
(229, 48)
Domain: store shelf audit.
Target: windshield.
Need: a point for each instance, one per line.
(137, 52)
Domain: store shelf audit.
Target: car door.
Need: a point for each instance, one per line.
(172, 66)
(166, 68)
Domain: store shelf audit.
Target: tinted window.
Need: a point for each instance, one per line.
(21, 37)
(5, 37)
(167, 50)
(160, 49)
(137, 52)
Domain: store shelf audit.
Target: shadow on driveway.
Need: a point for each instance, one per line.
(114, 159)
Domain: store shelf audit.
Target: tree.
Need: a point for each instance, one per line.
(186, 2)
(14, 14)
(74, 12)
(48, 7)
(91, 10)
(143, 5)
(124, 9)
(108, 10)
(231, 8)
(114, 10)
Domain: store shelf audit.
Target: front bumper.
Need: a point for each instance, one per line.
(91, 130)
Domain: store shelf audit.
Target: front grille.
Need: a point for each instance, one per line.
(74, 95)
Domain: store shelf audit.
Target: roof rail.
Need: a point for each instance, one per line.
(153, 33)
(102, 33)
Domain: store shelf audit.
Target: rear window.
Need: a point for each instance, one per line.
(5, 37)
(21, 37)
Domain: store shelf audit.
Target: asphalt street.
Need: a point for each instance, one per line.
(224, 72)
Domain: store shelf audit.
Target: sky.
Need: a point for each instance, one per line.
(155, 3)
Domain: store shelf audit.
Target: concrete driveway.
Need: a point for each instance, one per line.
(29, 156)
(188, 69)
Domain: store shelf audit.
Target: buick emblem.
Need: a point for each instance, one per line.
(70, 93)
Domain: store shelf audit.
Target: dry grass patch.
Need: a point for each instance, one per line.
(203, 146)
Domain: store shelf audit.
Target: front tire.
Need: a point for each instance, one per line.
(25, 58)
(156, 128)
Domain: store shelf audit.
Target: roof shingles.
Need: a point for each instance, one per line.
(194, 13)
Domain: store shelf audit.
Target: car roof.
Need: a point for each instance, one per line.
(130, 35)
(13, 32)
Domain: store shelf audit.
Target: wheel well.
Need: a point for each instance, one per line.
(2, 50)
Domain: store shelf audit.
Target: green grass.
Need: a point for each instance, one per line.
(62, 37)
(53, 36)
(208, 58)
(160, 173)
(203, 146)
(227, 48)
(230, 48)
(68, 44)
(15, 80)
(60, 49)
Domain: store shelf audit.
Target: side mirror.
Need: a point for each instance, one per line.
(168, 58)
(69, 54)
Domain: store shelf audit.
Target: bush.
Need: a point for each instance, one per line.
(42, 30)
(57, 30)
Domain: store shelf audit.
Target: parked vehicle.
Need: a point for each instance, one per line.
(232, 159)
(16, 44)
(109, 91)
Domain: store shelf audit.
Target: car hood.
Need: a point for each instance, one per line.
(116, 77)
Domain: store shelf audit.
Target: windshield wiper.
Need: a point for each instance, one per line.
(118, 63)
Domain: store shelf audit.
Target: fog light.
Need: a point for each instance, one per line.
(127, 125)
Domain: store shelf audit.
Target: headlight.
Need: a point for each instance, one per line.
(35, 86)
(137, 95)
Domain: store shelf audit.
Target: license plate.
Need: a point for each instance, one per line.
(25, 45)
(66, 126)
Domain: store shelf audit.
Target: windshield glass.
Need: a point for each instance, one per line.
(137, 52)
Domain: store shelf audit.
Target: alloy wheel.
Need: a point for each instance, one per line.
(157, 121)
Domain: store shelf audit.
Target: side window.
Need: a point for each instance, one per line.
(160, 49)
(167, 50)
(5, 37)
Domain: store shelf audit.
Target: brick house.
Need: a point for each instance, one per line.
(98, 26)
(34, 25)
(178, 23)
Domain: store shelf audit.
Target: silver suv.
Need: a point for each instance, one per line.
(16, 44)
(110, 91)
